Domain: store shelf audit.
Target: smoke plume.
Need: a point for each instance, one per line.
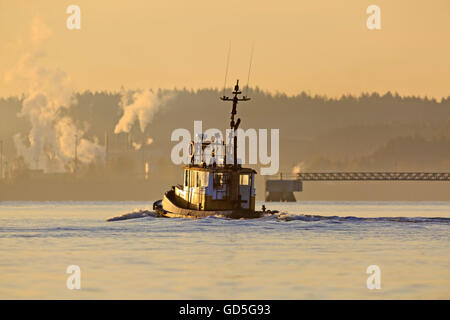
(50, 144)
(142, 108)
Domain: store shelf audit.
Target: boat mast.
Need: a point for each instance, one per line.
(235, 125)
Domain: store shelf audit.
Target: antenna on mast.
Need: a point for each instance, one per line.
(249, 68)
(226, 70)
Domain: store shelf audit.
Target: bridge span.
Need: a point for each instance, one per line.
(283, 186)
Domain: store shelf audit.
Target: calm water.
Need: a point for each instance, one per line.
(288, 256)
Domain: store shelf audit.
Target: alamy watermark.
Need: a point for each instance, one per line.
(374, 280)
(210, 147)
(374, 20)
(74, 280)
(73, 22)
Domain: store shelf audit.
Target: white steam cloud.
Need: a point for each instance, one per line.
(50, 144)
(142, 108)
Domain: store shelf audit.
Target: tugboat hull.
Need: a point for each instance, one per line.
(167, 208)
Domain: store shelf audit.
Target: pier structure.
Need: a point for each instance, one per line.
(283, 186)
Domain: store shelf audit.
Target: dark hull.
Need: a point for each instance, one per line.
(167, 208)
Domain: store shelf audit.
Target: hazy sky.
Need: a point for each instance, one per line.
(318, 46)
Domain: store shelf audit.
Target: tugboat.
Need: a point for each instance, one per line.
(226, 189)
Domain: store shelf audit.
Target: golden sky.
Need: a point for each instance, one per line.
(321, 46)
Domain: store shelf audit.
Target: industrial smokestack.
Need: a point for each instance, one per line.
(128, 141)
(106, 147)
(76, 155)
(1, 159)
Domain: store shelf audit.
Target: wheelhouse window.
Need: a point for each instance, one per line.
(220, 179)
(195, 179)
(244, 180)
(194, 175)
(203, 178)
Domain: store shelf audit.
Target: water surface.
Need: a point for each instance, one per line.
(312, 250)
